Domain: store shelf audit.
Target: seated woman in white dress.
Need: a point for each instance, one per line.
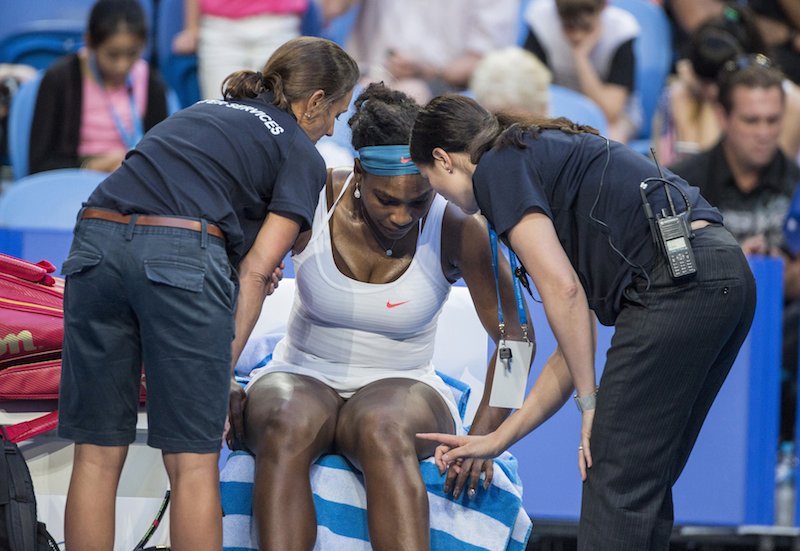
(353, 374)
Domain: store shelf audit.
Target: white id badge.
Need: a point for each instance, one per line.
(511, 375)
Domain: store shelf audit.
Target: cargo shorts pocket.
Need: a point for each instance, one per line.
(80, 261)
(175, 274)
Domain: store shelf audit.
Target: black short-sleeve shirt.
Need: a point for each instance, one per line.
(229, 162)
(594, 208)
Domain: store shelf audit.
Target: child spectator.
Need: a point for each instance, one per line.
(95, 105)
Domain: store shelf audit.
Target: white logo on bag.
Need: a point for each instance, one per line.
(10, 343)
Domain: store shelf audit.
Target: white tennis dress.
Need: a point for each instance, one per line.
(348, 334)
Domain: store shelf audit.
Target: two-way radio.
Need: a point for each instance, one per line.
(671, 231)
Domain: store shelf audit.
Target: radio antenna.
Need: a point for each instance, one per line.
(661, 175)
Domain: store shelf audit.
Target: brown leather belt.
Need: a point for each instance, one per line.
(153, 220)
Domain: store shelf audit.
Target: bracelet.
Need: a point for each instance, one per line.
(588, 402)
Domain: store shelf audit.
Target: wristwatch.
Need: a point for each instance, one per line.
(587, 402)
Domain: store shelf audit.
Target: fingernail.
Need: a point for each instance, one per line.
(471, 493)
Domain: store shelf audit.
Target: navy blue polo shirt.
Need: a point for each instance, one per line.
(229, 162)
(559, 174)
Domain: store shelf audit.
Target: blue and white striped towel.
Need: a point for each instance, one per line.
(495, 520)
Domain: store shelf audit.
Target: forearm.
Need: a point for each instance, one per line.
(551, 390)
(257, 275)
(606, 96)
(792, 10)
(775, 33)
(570, 321)
(334, 8)
(791, 279)
(253, 287)
(191, 15)
(459, 71)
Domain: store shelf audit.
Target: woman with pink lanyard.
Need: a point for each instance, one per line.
(94, 106)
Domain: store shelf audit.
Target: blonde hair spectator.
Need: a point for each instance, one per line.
(512, 80)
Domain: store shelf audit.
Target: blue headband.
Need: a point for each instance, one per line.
(387, 160)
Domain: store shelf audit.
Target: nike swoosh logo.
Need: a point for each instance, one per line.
(395, 304)
(405, 160)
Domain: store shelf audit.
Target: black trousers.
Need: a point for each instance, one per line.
(673, 346)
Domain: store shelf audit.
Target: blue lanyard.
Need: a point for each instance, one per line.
(523, 317)
(129, 138)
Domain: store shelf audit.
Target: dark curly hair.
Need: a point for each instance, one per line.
(383, 117)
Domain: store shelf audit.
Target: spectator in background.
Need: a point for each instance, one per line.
(779, 21)
(589, 47)
(95, 105)
(751, 181)
(512, 80)
(425, 48)
(230, 35)
(686, 16)
(686, 121)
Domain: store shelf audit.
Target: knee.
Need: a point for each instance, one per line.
(280, 431)
(381, 434)
(191, 468)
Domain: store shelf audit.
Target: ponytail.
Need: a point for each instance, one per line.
(243, 84)
(297, 69)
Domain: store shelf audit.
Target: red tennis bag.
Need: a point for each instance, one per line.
(31, 329)
(31, 337)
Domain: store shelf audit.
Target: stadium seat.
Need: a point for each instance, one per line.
(20, 118)
(576, 107)
(47, 200)
(42, 42)
(653, 57)
(37, 33)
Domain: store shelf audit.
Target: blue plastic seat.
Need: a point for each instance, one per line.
(47, 200)
(37, 33)
(20, 118)
(37, 213)
(577, 108)
(653, 49)
(41, 43)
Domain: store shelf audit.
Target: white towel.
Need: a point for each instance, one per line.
(494, 520)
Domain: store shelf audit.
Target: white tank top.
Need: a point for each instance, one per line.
(348, 333)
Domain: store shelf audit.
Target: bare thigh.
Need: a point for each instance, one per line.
(286, 413)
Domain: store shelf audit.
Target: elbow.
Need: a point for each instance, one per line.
(567, 290)
(253, 278)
